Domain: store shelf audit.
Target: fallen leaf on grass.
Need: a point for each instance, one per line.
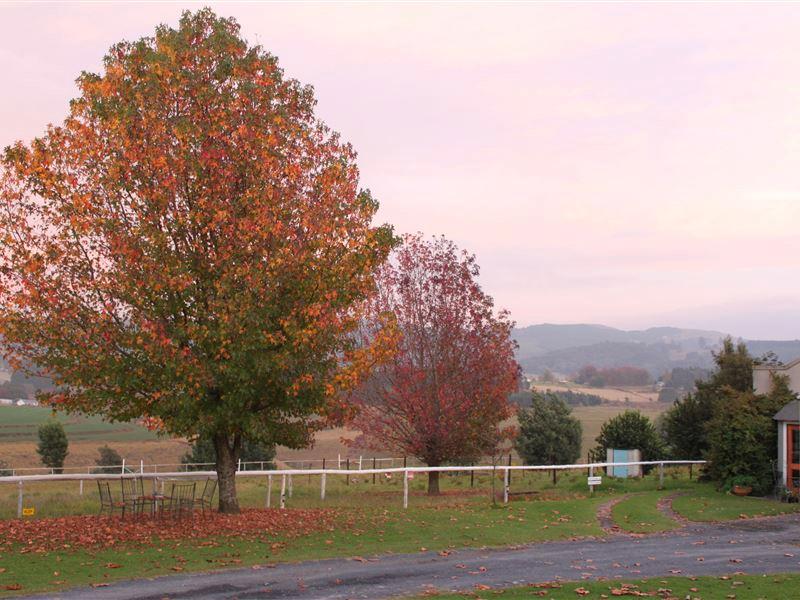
(13, 587)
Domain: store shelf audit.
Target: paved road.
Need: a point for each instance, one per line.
(757, 546)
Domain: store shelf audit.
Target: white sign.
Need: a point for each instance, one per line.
(595, 480)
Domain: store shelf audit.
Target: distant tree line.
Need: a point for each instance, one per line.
(566, 396)
(612, 376)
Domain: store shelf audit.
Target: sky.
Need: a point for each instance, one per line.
(630, 164)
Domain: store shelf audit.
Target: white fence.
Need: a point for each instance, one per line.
(286, 475)
(347, 463)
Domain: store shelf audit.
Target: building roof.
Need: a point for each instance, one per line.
(785, 367)
(790, 412)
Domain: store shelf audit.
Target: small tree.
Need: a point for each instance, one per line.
(53, 445)
(109, 460)
(629, 430)
(548, 433)
(447, 385)
(202, 451)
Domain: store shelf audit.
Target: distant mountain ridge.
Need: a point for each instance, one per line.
(566, 348)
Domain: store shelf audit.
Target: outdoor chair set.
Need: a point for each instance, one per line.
(183, 499)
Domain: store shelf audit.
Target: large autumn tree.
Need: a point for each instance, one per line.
(189, 245)
(443, 395)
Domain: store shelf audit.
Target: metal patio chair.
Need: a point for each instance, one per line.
(107, 501)
(181, 500)
(204, 501)
(133, 493)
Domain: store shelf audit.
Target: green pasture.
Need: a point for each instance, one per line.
(21, 423)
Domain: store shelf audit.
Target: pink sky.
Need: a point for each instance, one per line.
(626, 164)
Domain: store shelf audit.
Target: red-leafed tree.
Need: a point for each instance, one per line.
(442, 397)
(191, 245)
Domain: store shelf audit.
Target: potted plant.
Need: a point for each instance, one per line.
(742, 485)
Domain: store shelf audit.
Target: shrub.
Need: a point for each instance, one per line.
(53, 445)
(109, 461)
(742, 437)
(629, 430)
(548, 433)
(5, 469)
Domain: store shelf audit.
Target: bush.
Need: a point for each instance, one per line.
(202, 451)
(5, 469)
(742, 437)
(548, 433)
(53, 445)
(740, 481)
(109, 461)
(630, 430)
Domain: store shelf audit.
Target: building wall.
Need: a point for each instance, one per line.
(762, 381)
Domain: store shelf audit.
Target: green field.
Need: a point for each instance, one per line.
(20, 424)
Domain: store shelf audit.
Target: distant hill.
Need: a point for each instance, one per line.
(566, 348)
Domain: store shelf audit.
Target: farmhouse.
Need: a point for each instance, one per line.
(788, 419)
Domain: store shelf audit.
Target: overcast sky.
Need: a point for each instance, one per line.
(626, 164)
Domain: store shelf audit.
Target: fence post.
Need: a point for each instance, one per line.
(509, 470)
(347, 466)
(81, 490)
(472, 476)
(661, 475)
(141, 465)
(322, 486)
(269, 490)
(359, 462)
(123, 467)
(405, 489)
(506, 483)
(19, 500)
(291, 487)
(690, 471)
(373, 468)
(283, 491)
(239, 466)
(591, 474)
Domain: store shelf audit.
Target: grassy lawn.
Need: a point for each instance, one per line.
(639, 514)
(370, 520)
(740, 587)
(450, 525)
(706, 504)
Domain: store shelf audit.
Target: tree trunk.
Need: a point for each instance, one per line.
(228, 449)
(433, 483)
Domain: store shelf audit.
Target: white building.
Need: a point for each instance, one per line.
(788, 419)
